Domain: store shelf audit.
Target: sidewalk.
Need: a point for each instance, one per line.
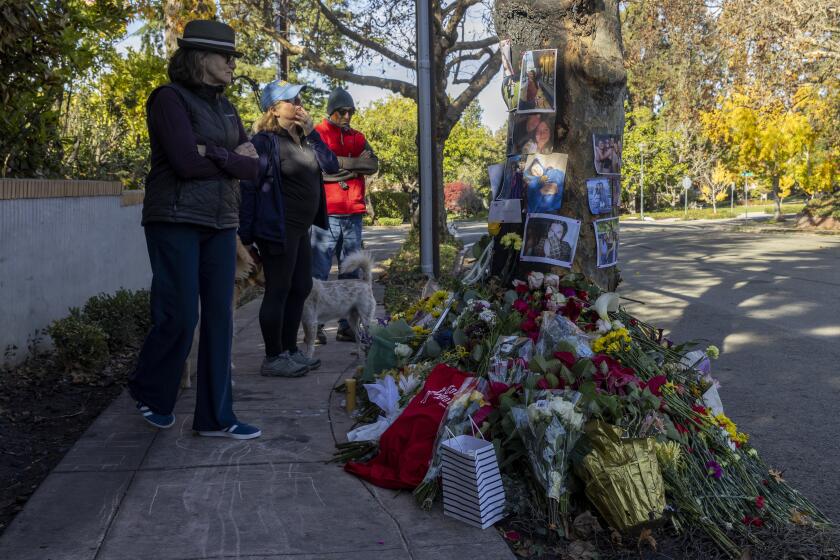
(128, 491)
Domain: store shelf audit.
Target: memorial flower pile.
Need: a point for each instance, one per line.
(588, 407)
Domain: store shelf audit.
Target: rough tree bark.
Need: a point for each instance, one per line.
(591, 88)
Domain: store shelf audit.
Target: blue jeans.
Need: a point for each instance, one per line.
(189, 264)
(343, 238)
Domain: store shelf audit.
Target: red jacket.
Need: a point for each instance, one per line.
(345, 144)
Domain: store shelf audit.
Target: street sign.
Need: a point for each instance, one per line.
(747, 174)
(686, 183)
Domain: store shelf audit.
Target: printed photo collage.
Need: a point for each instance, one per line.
(531, 183)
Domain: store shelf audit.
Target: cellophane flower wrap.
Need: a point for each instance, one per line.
(549, 428)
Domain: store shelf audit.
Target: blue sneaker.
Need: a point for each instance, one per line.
(237, 431)
(156, 420)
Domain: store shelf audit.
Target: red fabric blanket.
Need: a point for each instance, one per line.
(406, 447)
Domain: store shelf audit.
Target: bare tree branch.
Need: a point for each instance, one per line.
(459, 8)
(362, 40)
(478, 83)
(317, 63)
(480, 44)
(475, 55)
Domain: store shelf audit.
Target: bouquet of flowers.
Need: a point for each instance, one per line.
(550, 428)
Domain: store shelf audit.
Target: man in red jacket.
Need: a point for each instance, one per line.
(345, 195)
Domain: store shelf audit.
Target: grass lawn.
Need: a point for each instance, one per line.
(722, 212)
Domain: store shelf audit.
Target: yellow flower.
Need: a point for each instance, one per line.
(613, 342)
(511, 241)
(493, 228)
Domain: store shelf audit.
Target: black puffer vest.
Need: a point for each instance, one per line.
(211, 202)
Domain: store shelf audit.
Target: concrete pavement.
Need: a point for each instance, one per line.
(128, 491)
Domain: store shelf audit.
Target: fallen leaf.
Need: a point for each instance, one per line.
(798, 518)
(615, 537)
(746, 554)
(777, 475)
(582, 550)
(646, 536)
(585, 525)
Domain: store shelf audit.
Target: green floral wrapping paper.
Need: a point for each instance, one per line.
(622, 477)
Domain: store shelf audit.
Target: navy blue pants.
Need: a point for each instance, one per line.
(189, 263)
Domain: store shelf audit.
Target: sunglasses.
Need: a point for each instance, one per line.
(296, 101)
(346, 112)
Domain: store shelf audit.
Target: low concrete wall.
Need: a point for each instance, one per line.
(62, 242)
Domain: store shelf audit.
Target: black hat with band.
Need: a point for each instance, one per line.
(209, 35)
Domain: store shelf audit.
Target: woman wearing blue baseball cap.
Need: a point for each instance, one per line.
(276, 213)
(199, 151)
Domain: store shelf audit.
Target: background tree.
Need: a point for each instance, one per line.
(43, 47)
(590, 94)
(380, 34)
(767, 140)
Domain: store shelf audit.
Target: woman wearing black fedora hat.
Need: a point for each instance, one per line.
(199, 151)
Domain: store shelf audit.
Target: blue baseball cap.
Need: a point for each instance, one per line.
(278, 90)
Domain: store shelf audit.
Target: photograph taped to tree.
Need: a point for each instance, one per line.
(496, 175)
(538, 81)
(607, 149)
(510, 85)
(512, 180)
(600, 195)
(606, 240)
(533, 133)
(550, 239)
(545, 177)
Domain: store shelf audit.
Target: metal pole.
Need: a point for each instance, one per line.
(746, 201)
(424, 136)
(685, 214)
(732, 198)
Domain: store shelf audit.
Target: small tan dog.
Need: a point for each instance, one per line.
(248, 273)
(349, 298)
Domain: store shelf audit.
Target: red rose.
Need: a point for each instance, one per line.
(521, 288)
(520, 306)
(759, 502)
(528, 325)
(567, 358)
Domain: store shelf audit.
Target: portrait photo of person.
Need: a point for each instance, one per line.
(606, 241)
(545, 178)
(550, 239)
(533, 133)
(607, 153)
(600, 195)
(538, 81)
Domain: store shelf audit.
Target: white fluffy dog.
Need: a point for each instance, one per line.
(350, 298)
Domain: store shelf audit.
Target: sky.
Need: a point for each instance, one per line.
(494, 111)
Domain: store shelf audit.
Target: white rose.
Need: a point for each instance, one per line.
(535, 280)
(402, 350)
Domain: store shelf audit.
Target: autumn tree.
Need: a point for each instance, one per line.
(590, 94)
(767, 140)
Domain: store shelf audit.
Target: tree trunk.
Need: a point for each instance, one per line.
(777, 200)
(591, 88)
(172, 13)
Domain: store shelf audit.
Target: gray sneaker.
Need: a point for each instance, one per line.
(303, 359)
(282, 366)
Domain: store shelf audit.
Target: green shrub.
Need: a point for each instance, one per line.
(123, 317)
(79, 345)
(391, 204)
(389, 221)
(827, 205)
